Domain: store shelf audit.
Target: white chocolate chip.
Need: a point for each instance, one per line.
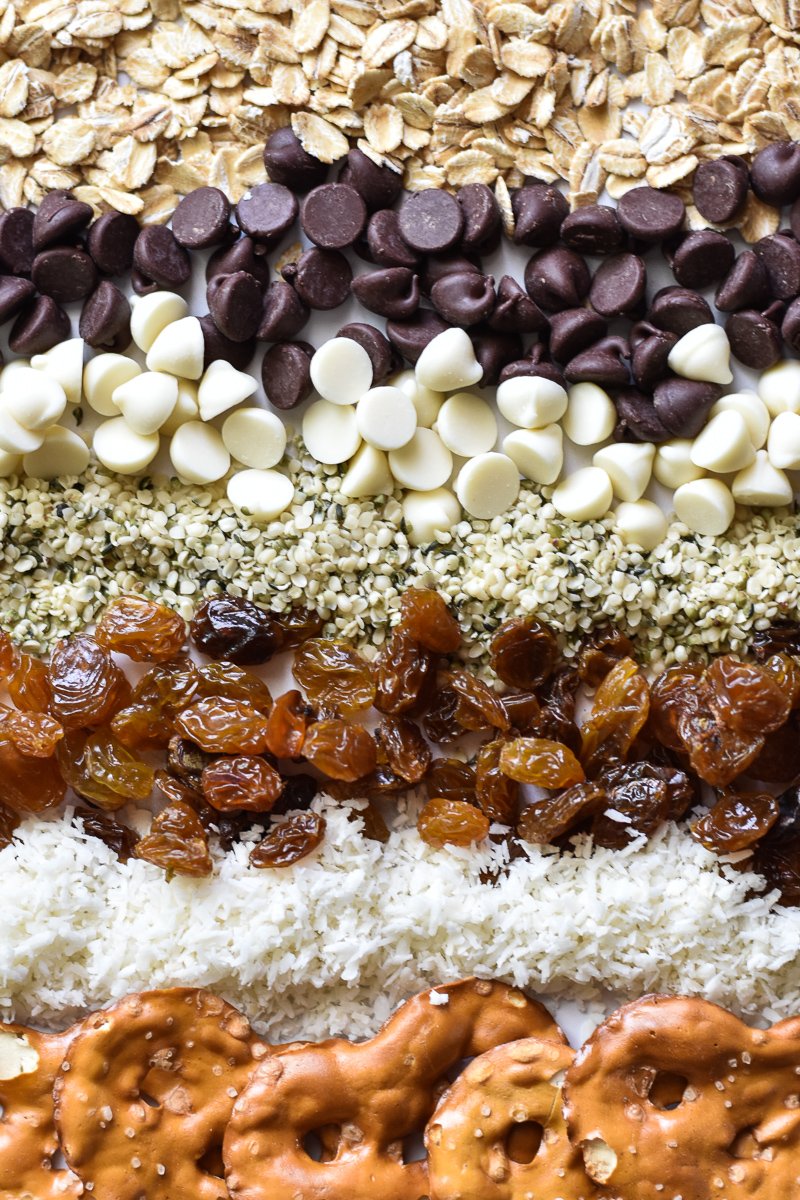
(222, 387)
(150, 314)
(704, 353)
(585, 495)
(386, 418)
(255, 437)
(10, 464)
(448, 362)
(779, 387)
(147, 400)
(629, 466)
(61, 453)
(724, 445)
(101, 378)
(179, 349)
(531, 402)
(368, 474)
(330, 432)
(186, 407)
(487, 485)
(198, 453)
(641, 523)
(705, 505)
(762, 484)
(673, 463)
(430, 515)
(783, 443)
(467, 425)
(425, 400)
(591, 416)
(34, 399)
(754, 411)
(341, 371)
(424, 464)
(262, 495)
(64, 363)
(538, 453)
(15, 438)
(121, 449)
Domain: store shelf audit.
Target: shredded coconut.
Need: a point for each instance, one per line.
(334, 944)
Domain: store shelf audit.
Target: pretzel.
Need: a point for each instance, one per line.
(146, 1091)
(676, 1097)
(375, 1095)
(28, 1143)
(469, 1155)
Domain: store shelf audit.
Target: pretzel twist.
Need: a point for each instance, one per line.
(375, 1094)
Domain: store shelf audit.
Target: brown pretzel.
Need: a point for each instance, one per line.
(676, 1097)
(501, 1096)
(28, 1065)
(146, 1091)
(375, 1094)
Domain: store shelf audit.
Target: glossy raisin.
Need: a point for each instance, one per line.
(98, 767)
(454, 822)
(674, 694)
(779, 759)
(424, 615)
(187, 760)
(168, 687)
(497, 795)
(233, 682)
(142, 727)
(556, 720)
(373, 826)
(29, 685)
(452, 779)
(783, 637)
(298, 792)
(779, 863)
(33, 733)
(544, 821)
(144, 629)
(8, 655)
(339, 750)
(29, 785)
(716, 752)
(220, 725)
(287, 724)
(405, 675)
(736, 822)
(681, 792)
(635, 806)
(297, 625)
(600, 652)
(479, 707)
(441, 723)
(747, 698)
(407, 752)
(620, 708)
(541, 762)
(334, 675)
(523, 711)
(241, 782)
(88, 687)
(524, 653)
(285, 844)
(236, 629)
(786, 672)
(177, 842)
(118, 837)
(9, 822)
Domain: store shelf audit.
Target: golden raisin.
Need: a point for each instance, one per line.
(33, 733)
(479, 707)
(545, 820)
(407, 752)
(8, 655)
(290, 841)
(454, 822)
(100, 768)
(736, 822)
(87, 685)
(747, 698)
(229, 680)
(334, 675)
(29, 785)
(620, 709)
(177, 842)
(287, 725)
(242, 782)
(541, 762)
(405, 675)
(29, 685)
(524, 653)
(223, 726)
(425, 616)
(339, 750)
(9, 821)
(497, 795)
(144, 629)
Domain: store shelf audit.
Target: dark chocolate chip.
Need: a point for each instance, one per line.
(411, 337)
(574, 330)
(514, 311)
(110, 242)
(382, 354)
(745, 286)
(105, 322)
(781, 258)
(241, 256)
(16, 241)
(321, 278)
(142, 284)
(235, 301)
(266, 212)
(202, 219)
(683, 405)
(650, 215)
(618, 287)
(538, 364)
(702, 258)
(494, 351)
(678, 310)
(604, 363)
(59, 218)
(638, 418)
(437, 266)
(217, 347)
(720, 188)
(755, 339)
(378, 186)
(385, 242)
(790, 326)
(333, 216)
(431, 221)
(65, 273)
(557, 278)
(39, 327)
(775, 173)
(482, 222)
(286, 374)
(288, 163)
(595, 229)
(390, 292)
(283, 314)
(15, 293)
(538, 212)
(158, 255)
(650, 349)
(464, 298)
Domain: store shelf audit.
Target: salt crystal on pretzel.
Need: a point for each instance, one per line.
(28, 1142)
(674, 1097)
(363, 1100)
(145, 1093)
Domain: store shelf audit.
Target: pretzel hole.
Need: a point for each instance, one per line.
(413, 1149)
(523, 1141)
(149, 1100)
(322, 1145)
(211, 1163)
(667, 1090)
(744, 1145)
